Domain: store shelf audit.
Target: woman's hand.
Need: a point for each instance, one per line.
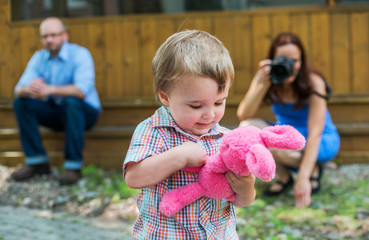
(302, 193)
(263, 74)
(256, 92)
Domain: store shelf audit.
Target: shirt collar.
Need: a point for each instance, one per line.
(162, 118)
(63, 53)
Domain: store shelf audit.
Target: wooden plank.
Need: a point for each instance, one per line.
(165, 28)
(261, 33)
(224, 29)
(131, 59)
(29, 40)
(185, 23)
(360, 51)
(243, 54)
(320, 44)
(148, 49)
(5, 54)
(204, 24)
(300, 27)
(96, 45)
(356, 113)
(324, 38)
(7, 118)
(280, 23)
(340, 54)
(15, 67)
(113, 58)
(78, 34)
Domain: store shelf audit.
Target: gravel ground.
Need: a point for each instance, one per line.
(20, 223)
(41, 200)
(42, 209)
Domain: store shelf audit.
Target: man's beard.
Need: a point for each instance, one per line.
(54, 52)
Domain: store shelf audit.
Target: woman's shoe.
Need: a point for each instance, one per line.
(285, 186)
(317, 179)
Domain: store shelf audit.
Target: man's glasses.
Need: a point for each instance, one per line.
(52, 35)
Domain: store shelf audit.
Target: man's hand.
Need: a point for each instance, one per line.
(35, 88)
(39, 89)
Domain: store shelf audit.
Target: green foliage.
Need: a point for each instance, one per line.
(109, 184)
(333, 210)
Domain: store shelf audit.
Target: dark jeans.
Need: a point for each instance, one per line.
(71, 115)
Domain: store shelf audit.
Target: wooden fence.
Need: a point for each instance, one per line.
(336, 39)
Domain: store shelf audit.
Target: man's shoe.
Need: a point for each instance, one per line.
(30, 171)
(69, 177)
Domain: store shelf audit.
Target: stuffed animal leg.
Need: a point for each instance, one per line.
(174, 200)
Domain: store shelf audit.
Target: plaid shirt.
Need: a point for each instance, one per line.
(205, 218)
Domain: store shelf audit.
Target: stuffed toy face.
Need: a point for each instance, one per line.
(245, 150)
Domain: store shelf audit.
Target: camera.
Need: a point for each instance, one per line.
(281, 69)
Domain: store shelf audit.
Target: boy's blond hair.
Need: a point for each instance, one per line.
(191, 52)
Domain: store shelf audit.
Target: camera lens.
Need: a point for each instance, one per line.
(281, 69)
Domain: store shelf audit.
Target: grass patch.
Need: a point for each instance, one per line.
(332, 214)
(108, 183)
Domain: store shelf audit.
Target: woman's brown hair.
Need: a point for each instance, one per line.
(302, 85)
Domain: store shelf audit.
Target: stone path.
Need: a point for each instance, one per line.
(29, 224)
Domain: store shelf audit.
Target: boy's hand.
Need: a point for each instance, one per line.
(194, 154)
(244, 188)
(240, 184)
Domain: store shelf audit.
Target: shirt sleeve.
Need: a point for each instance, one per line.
(146, 141)
(31, 72)
(84, 71)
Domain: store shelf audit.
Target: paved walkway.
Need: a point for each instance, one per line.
(31, 224)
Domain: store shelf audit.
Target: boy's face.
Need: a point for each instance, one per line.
(195, 103)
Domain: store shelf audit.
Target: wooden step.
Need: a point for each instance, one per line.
(105, 146)
(131, 112)
(115, 113)
(105, 160)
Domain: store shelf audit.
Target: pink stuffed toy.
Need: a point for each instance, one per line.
(244, 151)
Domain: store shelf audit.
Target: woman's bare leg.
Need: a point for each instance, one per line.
(284, 158)
(257, 122)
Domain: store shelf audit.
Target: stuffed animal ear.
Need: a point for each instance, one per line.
(282, 137)
(260, 162)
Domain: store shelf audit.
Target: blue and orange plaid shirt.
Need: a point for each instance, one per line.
(205, 218)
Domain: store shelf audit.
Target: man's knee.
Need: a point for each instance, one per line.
(19, 104)
(72, 103)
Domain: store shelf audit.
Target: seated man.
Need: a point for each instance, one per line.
(57, 90)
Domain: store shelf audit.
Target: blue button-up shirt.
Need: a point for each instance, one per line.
(73, 65)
